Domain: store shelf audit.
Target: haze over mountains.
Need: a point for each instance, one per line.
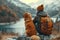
(19, 7)
(53, 8)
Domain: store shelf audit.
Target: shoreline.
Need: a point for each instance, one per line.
(7, 23)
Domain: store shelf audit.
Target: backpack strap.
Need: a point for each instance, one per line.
(38, 24)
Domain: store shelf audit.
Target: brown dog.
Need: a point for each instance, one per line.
(30, 28)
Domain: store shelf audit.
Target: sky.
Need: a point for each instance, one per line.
(29, 1)
(35, 3)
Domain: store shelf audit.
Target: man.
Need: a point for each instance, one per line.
(40, 12)
(38, 23)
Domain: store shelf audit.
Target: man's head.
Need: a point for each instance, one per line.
(40, 8)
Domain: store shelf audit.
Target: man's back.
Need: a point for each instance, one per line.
(42, 13)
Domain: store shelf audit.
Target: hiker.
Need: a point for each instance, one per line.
(43, 23)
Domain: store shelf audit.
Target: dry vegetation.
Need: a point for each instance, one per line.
(56, 31)
(7, 15)
(4, 35)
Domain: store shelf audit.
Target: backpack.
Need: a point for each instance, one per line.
(43, 24)
(46, 25)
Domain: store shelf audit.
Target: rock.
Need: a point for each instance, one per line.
(35, 37)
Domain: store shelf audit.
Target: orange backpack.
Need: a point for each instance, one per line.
(46, 25)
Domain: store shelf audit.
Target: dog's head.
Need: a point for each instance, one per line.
(27, 16)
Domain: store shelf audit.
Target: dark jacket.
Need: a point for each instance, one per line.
(37, 21)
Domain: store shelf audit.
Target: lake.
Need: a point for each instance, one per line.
(18, 27)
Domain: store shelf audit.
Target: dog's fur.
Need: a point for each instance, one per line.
(30, 28)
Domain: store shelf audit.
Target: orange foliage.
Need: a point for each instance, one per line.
(30, 28)
(14, 15)
(7, 14)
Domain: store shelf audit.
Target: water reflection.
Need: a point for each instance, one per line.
(18, 27)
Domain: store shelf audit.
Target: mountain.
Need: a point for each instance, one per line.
(53, 8)
(19, 7)
(7, 15)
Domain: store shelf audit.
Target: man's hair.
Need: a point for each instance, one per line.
(40, 8)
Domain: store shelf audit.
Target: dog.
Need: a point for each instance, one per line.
(30, 27)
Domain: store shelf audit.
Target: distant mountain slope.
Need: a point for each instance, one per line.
(7, 15)
(53, 9)
(20, 7)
